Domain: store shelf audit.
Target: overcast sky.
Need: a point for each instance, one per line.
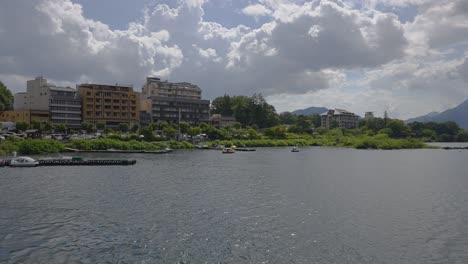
(408, 57)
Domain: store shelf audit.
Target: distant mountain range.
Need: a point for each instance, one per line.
(310, 111)
(458, 114)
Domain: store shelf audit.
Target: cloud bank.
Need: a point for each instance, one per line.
(327, 52)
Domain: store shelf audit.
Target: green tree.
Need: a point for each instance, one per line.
(170, 131)
(222, 105)
(35, 124)
(184, 127)
(462, 136)
(237, 125)
(100, 125)
(193, 131)
(60, 128)
(399, 128)
(123, 127)
(277, 132)
(428, 133)
(148, 133)
(316, 120)
(6, 98)
(47, 126)
(287, 118)
(295, 129)
(135, 128)
(88, 126)
(22, 126)
(247, 110)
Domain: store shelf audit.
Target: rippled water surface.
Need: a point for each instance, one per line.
(322, 205)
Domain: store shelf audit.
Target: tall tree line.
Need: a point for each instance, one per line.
(249, 111)
(6, 98)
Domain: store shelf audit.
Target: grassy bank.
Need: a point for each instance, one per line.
(359, 142)
(31, 146)
(47, 146)
(107, 143)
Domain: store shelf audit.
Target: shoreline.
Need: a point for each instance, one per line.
(107, 145)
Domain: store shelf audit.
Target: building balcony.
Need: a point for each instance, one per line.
(65, 117)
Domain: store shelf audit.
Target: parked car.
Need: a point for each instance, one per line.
(9, 134)
(56, 136)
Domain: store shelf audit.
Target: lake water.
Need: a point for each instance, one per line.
(321, 205)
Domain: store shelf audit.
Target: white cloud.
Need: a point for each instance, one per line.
(319, 52)
(55, 39)
(256, 10)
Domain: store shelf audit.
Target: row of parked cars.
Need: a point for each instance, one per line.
(74, 136)
(7, 134)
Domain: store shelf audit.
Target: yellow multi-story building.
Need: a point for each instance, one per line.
(25, 116)
(112, 104)
(15, 116)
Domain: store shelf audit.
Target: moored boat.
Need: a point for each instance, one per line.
(23, 162)
(228, 151)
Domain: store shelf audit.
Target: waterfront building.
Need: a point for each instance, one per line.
(220, 121)
(175, 102)
(369, 115)
(25, 116)
(173, 110)
(65, 107)
(36, 96)
(45, 101)
(339, 118)
(15, 116)
(111, 104)
(156, 87)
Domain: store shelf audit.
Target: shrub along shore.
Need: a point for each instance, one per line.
(335, 139)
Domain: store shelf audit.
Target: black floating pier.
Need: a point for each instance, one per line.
(164, 151)
(245, 149)
(64, 162)
(86, 162)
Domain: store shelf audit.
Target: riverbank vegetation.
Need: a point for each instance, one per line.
(258, 125)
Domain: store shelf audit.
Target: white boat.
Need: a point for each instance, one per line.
(228, 151)
(294, 149)
(23, 162)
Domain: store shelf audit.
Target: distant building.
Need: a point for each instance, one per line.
(65, 107)
(173, 109)
(44, 101)
(220, 121)
(156, 87)
(15, 116)
(145, 118)
(36, 96)
(174, 102)
(111, 104)
(25, 116)
(339, 118)
(369, 115)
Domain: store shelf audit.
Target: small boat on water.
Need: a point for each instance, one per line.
(23, 162)
(228, 151)
(294, 149)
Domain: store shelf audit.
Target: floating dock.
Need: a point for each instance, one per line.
(67, 162)
(164, 151)
(245, 149)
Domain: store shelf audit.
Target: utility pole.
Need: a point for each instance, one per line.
(178, 126)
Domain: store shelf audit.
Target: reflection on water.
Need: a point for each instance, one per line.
(322, 205)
